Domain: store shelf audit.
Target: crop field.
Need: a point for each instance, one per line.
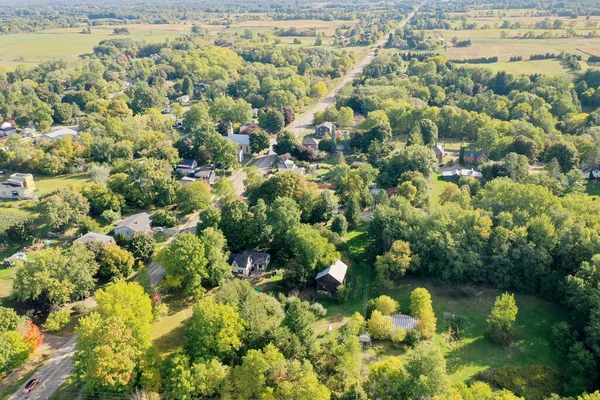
(326, 27)
(69, 43)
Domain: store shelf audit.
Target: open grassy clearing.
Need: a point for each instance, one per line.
(475, 353)
(47, 185)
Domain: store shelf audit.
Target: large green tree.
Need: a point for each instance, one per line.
(185, 263)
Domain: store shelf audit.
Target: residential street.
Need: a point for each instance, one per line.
(52, 374)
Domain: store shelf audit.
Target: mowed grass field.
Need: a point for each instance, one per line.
(69, 43)
(487, 43)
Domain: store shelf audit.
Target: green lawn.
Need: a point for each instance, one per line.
(167, 334)
(437, 187)
(46, 185)
(592, 189)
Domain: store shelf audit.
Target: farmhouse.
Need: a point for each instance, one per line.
(60, 133)
(18, 186)
(331, 277)
(474, 156)
(326, 128)
(95, 237)
(137, 223)
(439, 152)
(244, 264)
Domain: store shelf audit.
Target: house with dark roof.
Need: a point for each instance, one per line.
(439, 153)
(311, 142)
(137, 223)
(331, 277)
(249, 262)
(95, 237)
(472, 156)
(206, 175)
(324, 129)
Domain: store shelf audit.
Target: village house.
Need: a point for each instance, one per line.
(249, 262)
(289, 165)
(474, 156)
(331, 277)
(8, 128)
(439, 153)
(137, 223)
(206, 175)
(96, 237)
(457, 173)
(186, 179)
(60, 133)
(311, 142)
(18, 186)
(187, 166)
(325, 129)
(185, 99)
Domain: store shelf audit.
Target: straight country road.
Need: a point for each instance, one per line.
(307, 118)
(52, 374)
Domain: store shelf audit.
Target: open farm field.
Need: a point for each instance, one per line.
(69, 43)
(327, 27)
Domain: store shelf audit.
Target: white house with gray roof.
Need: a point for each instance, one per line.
(249, 262)
(95, 237)
(60, 133)
(137, 223)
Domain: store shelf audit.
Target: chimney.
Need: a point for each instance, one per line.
(229, 128)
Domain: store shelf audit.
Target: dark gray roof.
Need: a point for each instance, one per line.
(310, 141)
(328, 125)
(255, 257)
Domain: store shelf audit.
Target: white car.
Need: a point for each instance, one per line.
(159, 229)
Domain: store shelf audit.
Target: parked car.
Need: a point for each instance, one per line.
(32, 384)
(159, 229)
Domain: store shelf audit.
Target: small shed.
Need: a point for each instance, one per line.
(365, 340)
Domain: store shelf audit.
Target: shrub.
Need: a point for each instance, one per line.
(529, 381)
(398, 337)
(318, 309)
(386, 305)
(413, 337)
(164, 218)
(339, 225)
(380, 327)
(342, 294)
(57, 320)
(159, 310)
(110, 216)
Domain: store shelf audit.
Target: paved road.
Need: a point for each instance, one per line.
(307, 119)
(52, 373)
